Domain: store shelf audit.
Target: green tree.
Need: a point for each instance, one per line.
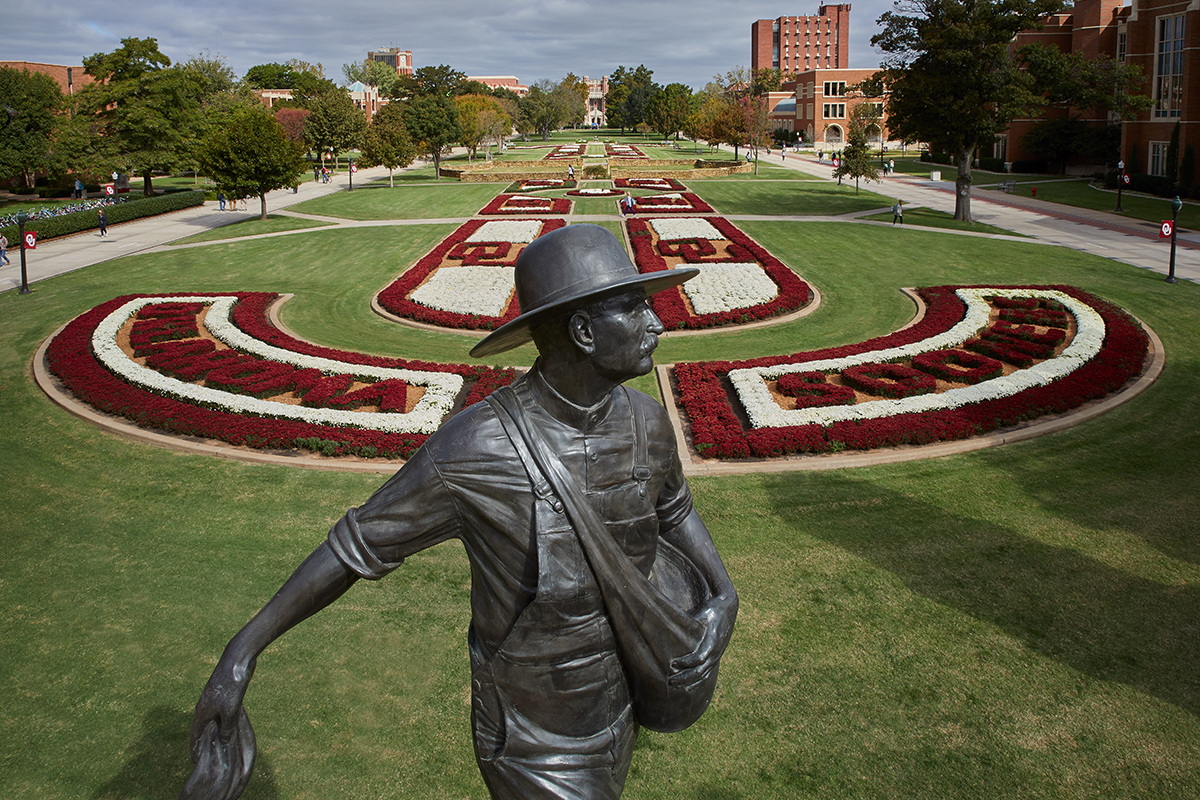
(386, 142)
(442, 81)
(432, 122)
(145, 111)
(30, 104)
(856, 160)
(629, 93)
(370, 72)
(335, 124)
(953, 81)
(766, 80)
(669, 109)
(477, 115)
(549, 106)
(251, 156)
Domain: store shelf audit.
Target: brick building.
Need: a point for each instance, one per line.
(818, 104)
(597, 113)
(509, 82)
(1160, 36)
(798, 44)
(69, 78)
(397, 59)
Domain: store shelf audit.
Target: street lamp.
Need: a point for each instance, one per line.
(1120, 183)
(1176, 204)
(350, 172)
(21, 219)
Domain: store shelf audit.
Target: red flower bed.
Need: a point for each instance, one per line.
(627, 151)
(687, 203)
(70, 358)
(718, 433)
(586, 193)
(958, 367)
(889, 380)
(670, 305)
(512, 204)
(660, 184)
(454, 249)
(810, 389)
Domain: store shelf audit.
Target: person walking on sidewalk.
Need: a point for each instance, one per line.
(898, 213)
(4, 249)
(102, 220)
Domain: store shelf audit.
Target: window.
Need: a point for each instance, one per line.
(835, 88)
(1168, 82)
(1158, 158)
(1122, 38)
(834, 110)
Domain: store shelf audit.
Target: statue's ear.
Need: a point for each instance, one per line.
(580, 330)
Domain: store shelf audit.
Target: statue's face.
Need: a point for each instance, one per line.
(625, 331)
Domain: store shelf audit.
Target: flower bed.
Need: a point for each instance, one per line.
(458, 301)
(235, 386)
(566, 152)
(675, 203)
(524, 204)
(656, 184)
(595, 193)
(1107, 350)
(622, 151)
(539, 184)
(740, 281)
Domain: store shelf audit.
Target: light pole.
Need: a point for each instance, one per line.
(350, 172)
(21, 218)
(1176, 204)
(1120, 183)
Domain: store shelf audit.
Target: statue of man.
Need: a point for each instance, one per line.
(557, 694)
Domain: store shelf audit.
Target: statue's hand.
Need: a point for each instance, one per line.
(718, 616)
(222, 740)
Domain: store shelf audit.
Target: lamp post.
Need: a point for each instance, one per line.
(350, 172)
(1176, 204)
(1120, 183)
(21, 219)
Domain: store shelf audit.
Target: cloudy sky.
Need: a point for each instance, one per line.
(684, 41)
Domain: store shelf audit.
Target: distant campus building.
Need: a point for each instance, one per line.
(69, 78)
(394, 57)
(797, 44)
(509, 82)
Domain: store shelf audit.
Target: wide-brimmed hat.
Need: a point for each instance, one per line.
(568, 268)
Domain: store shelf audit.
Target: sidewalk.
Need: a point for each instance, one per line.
(1113, 236)
(68, 253)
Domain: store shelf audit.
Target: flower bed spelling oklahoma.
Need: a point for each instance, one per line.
(214, 366)
(982, 358)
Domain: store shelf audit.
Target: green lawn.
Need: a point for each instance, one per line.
(808, 198)
(376, 200)
(1082, 194)
(932, 218)
(1014, 622)
(275, 223)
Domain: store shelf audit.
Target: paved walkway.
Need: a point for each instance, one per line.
(1114, 236)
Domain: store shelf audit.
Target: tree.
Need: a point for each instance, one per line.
(387, 142)
(766, 80)
(478, 115)
(251, 155)
(442, 81)
(549, 106)
(629, 93)
(292, 120)
(856, 160)
(370, 72)
(31, 103)
(432, 122)
(335, 124)
(145, 111)
(669, 109)
(953, 81)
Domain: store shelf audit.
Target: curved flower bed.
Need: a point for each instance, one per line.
(1107, 350)
(524, 204)
(457, 301)
(656, 184)
(235, 391)
(736, 265)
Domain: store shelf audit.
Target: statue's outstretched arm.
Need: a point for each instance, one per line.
(222, 740)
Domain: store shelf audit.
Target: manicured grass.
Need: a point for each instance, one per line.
(445, 198)
(730, 196)
(275, 223)
(931, 218)
(1019, 621)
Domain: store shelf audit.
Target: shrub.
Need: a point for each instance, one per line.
(597, 171)
(121, 212)
(991, 164)
(1030, 165)
(1152, 184)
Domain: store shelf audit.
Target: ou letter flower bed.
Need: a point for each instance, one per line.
(467, 280)
(214, 366)
(981, 358)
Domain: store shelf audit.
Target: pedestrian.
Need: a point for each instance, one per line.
(102, 221)
(78, 189)
(898, 213)
(242, 203)
(571, 172)
(220, 201)
(316, 174)
(891, 167)
(4, 249)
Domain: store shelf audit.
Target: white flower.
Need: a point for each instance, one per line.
(467, 290)
(507, 230)
(764, 412)
(441, 388)
(729, 285)
(686, 228)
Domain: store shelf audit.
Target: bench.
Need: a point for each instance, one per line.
(1009, 186)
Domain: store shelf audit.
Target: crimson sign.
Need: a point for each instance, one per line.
(31, 240)
(1168, 227)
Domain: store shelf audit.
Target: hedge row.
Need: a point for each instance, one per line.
(123, 212)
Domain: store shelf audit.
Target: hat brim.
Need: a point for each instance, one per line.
(520, 330)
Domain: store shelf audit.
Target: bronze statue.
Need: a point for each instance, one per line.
(599, 602)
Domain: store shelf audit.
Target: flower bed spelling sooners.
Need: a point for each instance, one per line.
(467, 280)
(525, 204)
(739, 281)
(996, 356)
(214, 366)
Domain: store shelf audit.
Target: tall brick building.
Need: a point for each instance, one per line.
(394, 57)
(1160, 36)
(798, 44)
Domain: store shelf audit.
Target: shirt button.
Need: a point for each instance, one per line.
(593, 457)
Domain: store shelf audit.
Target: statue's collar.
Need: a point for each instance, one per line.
(578, 417)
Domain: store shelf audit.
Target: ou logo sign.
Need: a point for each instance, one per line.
(1167, 229)
(30, 240)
